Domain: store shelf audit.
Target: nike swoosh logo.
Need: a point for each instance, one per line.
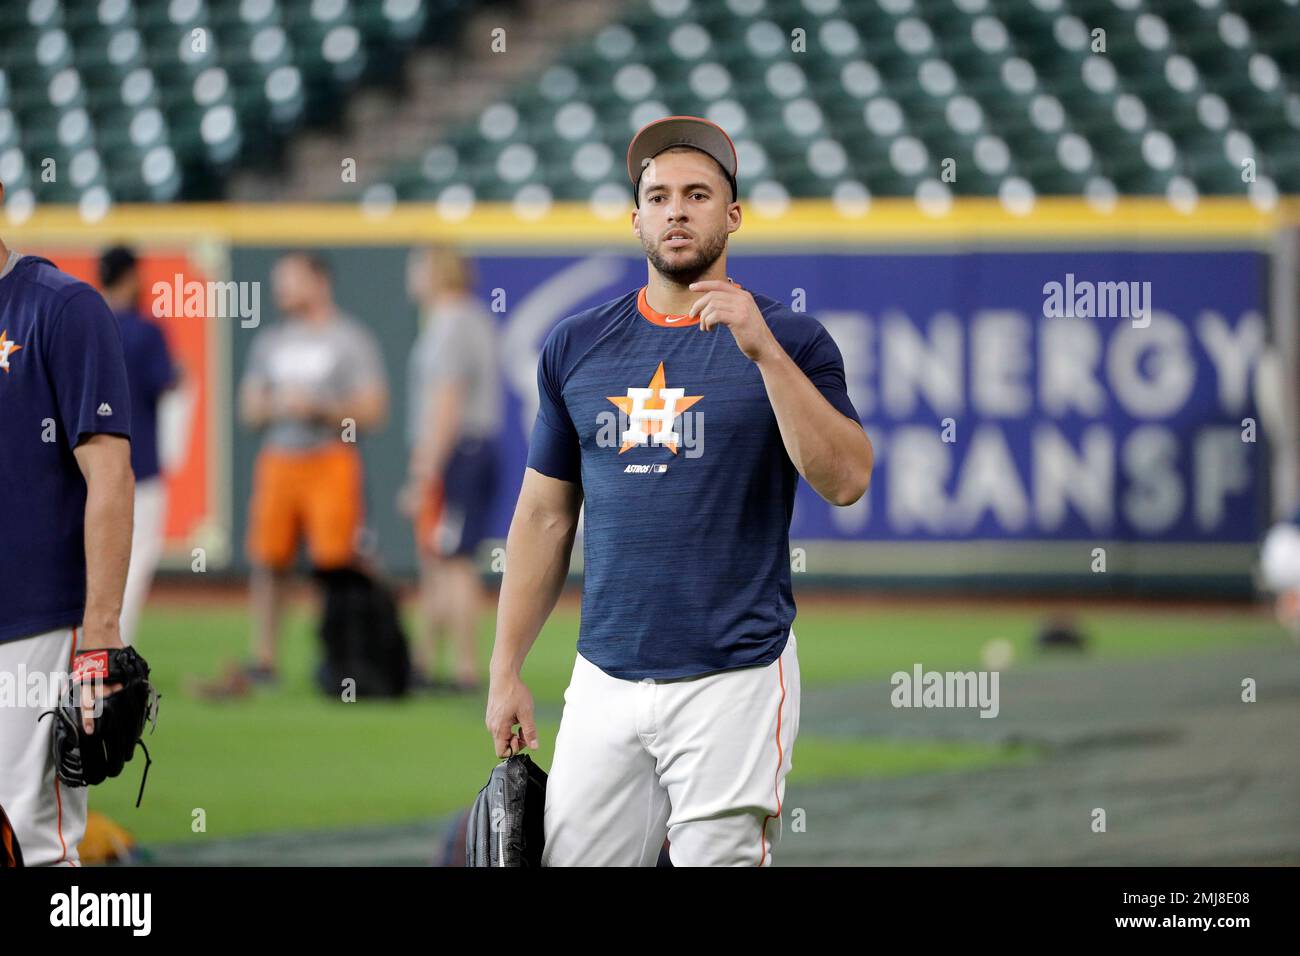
(675, 318)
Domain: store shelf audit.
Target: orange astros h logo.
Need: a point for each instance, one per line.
(657, 406)
(7, 349)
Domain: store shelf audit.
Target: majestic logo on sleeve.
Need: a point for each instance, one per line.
(651, 413)
(7, 348)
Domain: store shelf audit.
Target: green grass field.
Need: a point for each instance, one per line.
(289, 759)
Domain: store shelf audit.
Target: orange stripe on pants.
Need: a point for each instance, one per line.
(58, 797)
(780, 759)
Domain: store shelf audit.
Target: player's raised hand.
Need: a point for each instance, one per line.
(510, 702)
(724, 303)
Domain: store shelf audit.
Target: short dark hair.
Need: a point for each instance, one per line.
(314, 260)
(731, 180)
(115, 264)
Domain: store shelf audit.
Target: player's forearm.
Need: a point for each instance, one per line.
(446, 425)
(368, 409)
(443, 412)
(110, 495)
(254, 406)
(434, 463)
(538, 550)
(832, 453)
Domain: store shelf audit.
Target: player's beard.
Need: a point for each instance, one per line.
(685, 269)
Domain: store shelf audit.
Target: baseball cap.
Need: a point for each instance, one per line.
(655, 137)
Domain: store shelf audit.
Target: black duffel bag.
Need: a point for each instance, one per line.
(361, 633)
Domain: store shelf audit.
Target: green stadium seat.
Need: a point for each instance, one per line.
(1009, 89)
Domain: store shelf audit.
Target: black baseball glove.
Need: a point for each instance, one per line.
(505, 825)
(83, 759)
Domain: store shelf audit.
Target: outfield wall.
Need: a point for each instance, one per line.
(1014, 435)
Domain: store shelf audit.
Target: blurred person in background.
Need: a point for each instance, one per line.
(313, 381)
(151, 373)
(66, 540)
(1279, 558)
(453, 423)
(1279, 567)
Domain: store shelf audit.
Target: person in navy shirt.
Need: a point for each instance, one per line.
(682, 708)
(150, 373)
(66, 487)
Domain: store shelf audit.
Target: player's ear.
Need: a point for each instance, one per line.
(733, 217)
(636, 223)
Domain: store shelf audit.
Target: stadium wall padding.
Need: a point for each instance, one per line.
(937, 318)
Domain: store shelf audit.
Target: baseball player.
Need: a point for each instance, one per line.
(305, 375)
(453, 419)
(67, 487)
(683, 705)
(151, 374)
(1279, 565)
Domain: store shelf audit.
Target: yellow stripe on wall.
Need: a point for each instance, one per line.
(889, 221)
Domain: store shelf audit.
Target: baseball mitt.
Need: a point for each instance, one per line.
(505, 824)
(83, 759)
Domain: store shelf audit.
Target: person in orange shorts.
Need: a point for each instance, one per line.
(313, 382)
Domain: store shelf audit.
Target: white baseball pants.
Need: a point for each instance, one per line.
(702, 760)
(48, 817)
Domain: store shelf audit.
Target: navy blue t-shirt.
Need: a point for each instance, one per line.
(150, 372)
(62, 379)
(686, 530)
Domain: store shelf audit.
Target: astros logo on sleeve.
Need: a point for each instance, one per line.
(651, 412)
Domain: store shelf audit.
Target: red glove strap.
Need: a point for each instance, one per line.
(90, 665)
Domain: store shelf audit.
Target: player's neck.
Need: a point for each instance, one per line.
(4, 253)
(117, 301)
(448, 298)
(674, 298)
(319, 314)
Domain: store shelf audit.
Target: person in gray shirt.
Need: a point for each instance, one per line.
(454, 419)
(313, 381)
